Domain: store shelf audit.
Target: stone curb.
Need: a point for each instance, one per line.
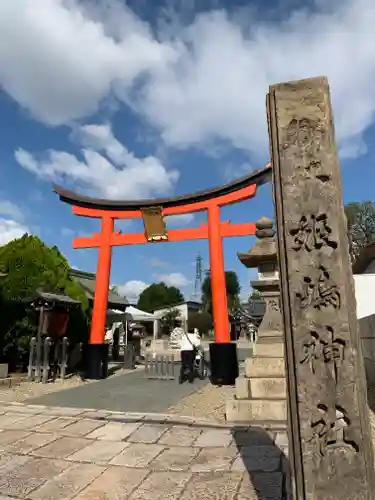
(119, 416)
(127, 417)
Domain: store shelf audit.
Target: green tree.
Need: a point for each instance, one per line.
(159, 295)
(30, 265)
(361, 225)
(233, 289)
(201, 320)
(168, 321)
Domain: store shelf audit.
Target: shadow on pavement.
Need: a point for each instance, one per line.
(267, 467)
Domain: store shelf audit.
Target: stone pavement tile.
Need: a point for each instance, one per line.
(34, 421)
(258, 458)
(11, 420)
(82, 427)
(216, 486)
(98, 452)
(161, 486)
(114, 431)
(261, 485)
(9, 462)
(180, 436)
(67, 484)
(137, 455)
(214, 459)
(214, 437)
(19, 481)
(175, 458)
(61, 448)
(116, 483)
(30, 443)
(9, 436)
(56, 424)
(148, 433)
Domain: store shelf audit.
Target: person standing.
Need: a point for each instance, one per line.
(189, 344)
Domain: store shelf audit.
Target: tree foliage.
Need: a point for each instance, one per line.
(168, 321)
(201, 320)
(159, 295)
(233, 289)
(361, 225)
(30, 265)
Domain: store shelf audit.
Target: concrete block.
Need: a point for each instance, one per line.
(254, 410)
(269, 387)
(264, 367)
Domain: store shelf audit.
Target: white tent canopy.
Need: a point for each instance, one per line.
(138, 315)
(132, 314)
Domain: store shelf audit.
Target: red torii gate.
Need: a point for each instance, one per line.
(152, 211)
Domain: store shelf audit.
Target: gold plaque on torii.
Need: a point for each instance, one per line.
(155, 228)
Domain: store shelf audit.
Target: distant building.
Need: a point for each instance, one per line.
(364, 278)
(185, 308)
(255, 309)
(87, 282)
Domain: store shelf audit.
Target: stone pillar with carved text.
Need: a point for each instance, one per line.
(330, 439)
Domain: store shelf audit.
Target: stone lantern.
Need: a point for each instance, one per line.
(261, 392)
(263, 255)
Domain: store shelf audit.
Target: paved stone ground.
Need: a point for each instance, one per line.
(128, 392)
(69, 453)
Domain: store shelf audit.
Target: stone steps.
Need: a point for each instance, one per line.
(269, 350)
(258, 388)
(264, 367)
(256, 410)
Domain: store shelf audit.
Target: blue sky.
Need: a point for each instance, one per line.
(161, 98)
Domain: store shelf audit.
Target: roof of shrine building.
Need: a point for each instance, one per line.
(87, 282)
(364, 260)
(257, 177)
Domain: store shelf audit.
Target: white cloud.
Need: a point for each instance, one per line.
(207, 82)
(174, 279)
(10, 209)
(107, 168)
(132, 289)
(12, 224)
(66, 62)
(218, 86)
(182, 219)
(11, 230)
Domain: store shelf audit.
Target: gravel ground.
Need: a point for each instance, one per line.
(29, 390)
(208, 402)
